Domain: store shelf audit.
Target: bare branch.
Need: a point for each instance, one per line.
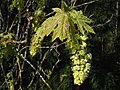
(73, 3)
(36, 72)
(12, 24)
(116, 23)
(2, 84)
(31, 81)
(49, 14)
(6, 81)
(51, 48)
(84, 4)
(109, 20)
(56, 64)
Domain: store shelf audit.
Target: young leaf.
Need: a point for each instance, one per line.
(57, 10)
(78, 18)
(88, 28)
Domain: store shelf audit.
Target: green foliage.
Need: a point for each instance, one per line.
(80, 60)
(81, 21)
(62, 80)
(41, 3)
(39, 16)
(10, 80)
(19, 4)
(60, 45)
(62, 26)
(58, 25)
(7, 48)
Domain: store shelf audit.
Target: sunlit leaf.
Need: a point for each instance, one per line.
(81, 21)
(88, 28)
(57, 10)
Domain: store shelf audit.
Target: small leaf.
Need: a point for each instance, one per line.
(84, 38)
(80, 27)
(58, 10)
(88, 28)
(80, 12)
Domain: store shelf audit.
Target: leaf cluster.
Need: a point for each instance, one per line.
(62, 26)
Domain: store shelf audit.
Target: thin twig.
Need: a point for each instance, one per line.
(20, 72)
(12, 24)
(36, 72)
(44, 57)
(18, 28)
(47, 54)
(2, 84)
(4, 75)
(6, 79)
(116, 23)
(49, 14)
(55, 48)
(73, 3)
(31, 81)
(84, 4)
(43, 47)
(55, 64)
(109, 20)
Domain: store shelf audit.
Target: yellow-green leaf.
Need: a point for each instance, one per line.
(88, 28)
(57, 10)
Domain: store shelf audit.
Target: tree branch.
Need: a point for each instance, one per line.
(84, 4)
(109, 20)
(36, 72)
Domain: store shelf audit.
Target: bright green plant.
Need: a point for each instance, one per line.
(69, 26)
(72, 26)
